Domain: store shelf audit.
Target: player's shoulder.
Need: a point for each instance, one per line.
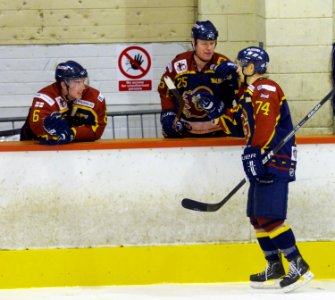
(181, 62)
(51, 90)
(48, 94)
(267, 86)
(218, 58)
(93, 94)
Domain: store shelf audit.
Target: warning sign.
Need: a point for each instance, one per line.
(134, 68)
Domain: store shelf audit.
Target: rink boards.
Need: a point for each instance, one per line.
(109, 212)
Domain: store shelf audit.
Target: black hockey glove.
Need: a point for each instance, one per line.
(225, 69)
(65, 137)
(252, 162)
(171, 127)
(54, 124)
(212, 105)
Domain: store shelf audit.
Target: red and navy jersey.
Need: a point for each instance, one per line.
(189, 80)
(87, 116)
(264, 115)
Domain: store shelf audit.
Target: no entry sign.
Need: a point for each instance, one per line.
(134, 66)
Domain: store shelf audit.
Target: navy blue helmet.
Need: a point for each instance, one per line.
(255, 55)
(204, 30)
(69, 70)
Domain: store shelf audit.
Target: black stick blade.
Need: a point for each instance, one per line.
(199, 206)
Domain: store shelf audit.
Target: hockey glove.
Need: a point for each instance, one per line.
(65, 137)
(212, 105)
(225, 69)
(252, 162)
(171, 127)
(54, 124)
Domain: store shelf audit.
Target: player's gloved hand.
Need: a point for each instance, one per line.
(226, 68)
(212, 105)
(54, 124)
(171, 127)
(65, 137)
(252, 162)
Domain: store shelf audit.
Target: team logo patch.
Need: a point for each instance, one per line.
(267, 87)
(39, 104)
(180, 66)
(45, 98)
(101, 97)
(61, 102)
(264, 96)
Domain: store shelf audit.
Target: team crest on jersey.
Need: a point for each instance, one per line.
(180, 66)
(61, 102)
(192, 108)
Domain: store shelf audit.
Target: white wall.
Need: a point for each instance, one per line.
(89, 198)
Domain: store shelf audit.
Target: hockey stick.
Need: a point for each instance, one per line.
(210, 207)
(177, 95)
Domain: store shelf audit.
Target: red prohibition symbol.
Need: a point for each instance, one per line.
(136, 65)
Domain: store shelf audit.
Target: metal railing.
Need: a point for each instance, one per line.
(123, 124)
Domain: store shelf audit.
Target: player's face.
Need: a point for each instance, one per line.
(76, 88)
(205, 49)
(239, 71)
(245, 71)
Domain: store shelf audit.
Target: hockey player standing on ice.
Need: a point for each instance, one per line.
(67, 110)
(264, 114)
(192, 73)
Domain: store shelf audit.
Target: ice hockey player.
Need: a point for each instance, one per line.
(193, 73)
(67, 110)
(265, 117)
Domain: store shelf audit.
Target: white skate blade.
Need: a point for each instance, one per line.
(269, 284)
(305, 279)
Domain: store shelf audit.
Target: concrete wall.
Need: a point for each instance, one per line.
(111, 197)
(104, 21)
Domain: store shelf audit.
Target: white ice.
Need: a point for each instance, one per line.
(317, 289)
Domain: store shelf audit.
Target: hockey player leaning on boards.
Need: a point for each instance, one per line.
(67, 110)
(264, 114)
(192, 73)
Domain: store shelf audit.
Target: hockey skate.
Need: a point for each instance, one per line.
(297, 276)
(269, 278)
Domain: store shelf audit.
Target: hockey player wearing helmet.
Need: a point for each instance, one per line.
(194, 75)
(263, 112)
(67, 110)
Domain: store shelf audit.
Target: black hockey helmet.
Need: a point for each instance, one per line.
(69, 70)
(255, 55)
(204, 30)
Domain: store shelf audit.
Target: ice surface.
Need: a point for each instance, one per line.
(317, 289)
